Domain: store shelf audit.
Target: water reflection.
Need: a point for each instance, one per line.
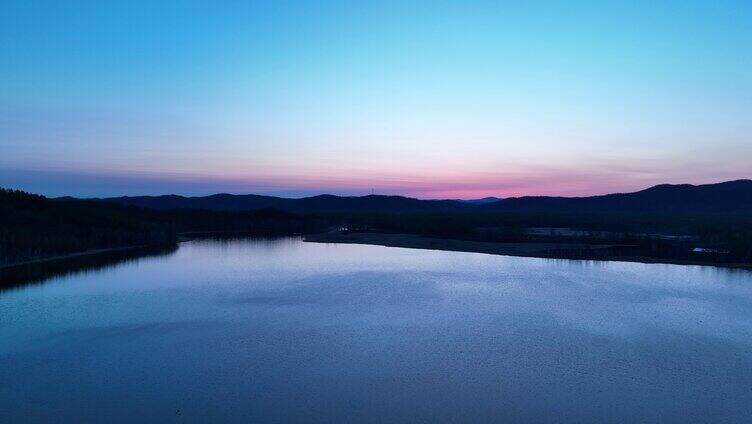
(260, 330)
(39, 273)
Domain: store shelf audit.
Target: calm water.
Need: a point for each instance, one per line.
(272, 331)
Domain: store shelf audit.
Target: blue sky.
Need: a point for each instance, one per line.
(433, 99)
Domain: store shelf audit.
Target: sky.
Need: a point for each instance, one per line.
(433, 99)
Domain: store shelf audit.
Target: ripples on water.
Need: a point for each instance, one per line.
(282, 330)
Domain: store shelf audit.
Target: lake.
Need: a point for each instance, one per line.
(281, 330)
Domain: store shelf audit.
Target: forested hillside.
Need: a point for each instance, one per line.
(34, 226)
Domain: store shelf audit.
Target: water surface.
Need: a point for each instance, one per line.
(283, 330)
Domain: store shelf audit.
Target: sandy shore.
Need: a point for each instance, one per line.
(536, 250)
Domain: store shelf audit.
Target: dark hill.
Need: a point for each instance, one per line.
(732, 197)
(482, 201)
(372, 203)
(34, 227)
(215, 202)
(317, 204)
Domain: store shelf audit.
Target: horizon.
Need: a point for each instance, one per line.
(316, 194)
(428, 100)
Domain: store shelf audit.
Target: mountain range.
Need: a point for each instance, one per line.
(731, 197)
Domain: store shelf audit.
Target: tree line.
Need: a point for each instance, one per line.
(33, 226)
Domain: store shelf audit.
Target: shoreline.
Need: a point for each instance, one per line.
(67, 256)
(42, 269)
(182, 237)
(569, 251)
